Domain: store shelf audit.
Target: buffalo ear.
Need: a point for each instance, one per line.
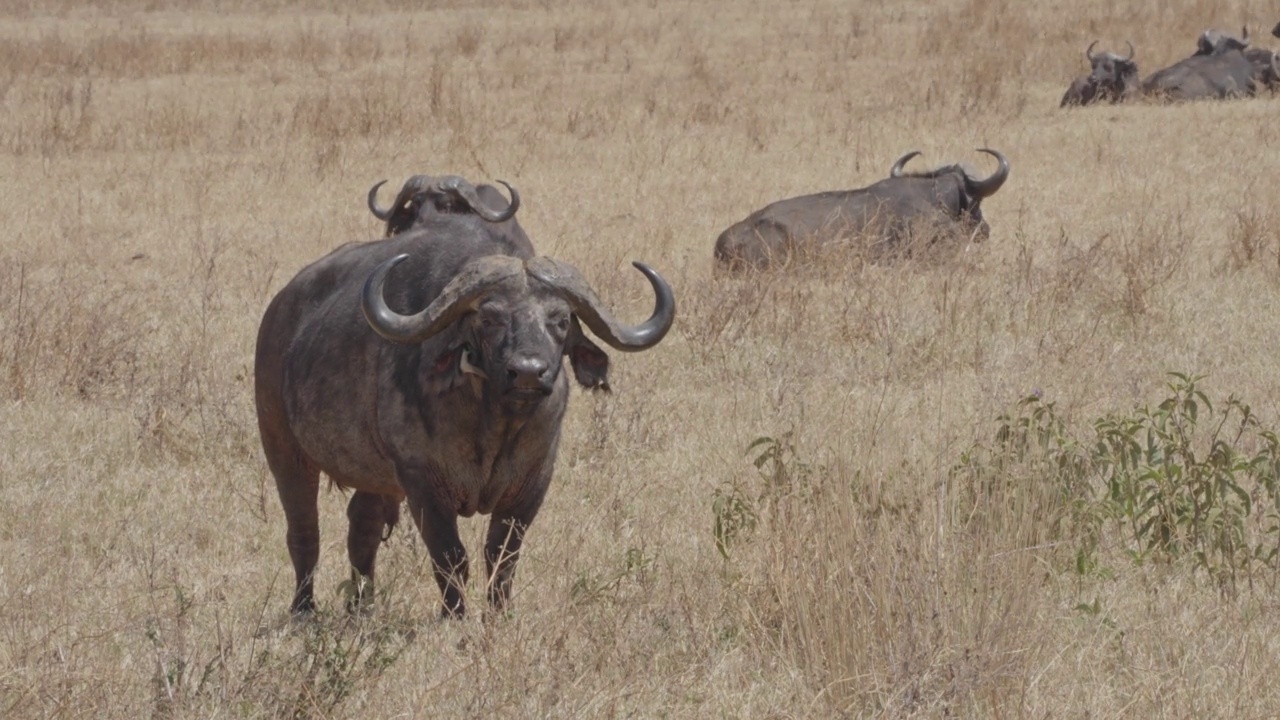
(404, 216)
(590, 363)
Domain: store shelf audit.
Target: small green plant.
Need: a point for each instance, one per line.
(1033, 465)
(1038, 434)
(588, 588)
(737, 509)
(779, 464)
(735, 516)
(338, 657)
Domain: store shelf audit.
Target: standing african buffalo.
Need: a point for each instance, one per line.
(427, 366)
(889, 213)
(1218, 69)
(1112, 78)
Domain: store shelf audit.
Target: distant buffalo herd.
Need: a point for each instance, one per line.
(904, 214)
(1222, 66)
(426, 366)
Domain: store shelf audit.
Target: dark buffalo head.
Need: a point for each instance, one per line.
(1112, 74)
(440, 194)
(512, 320)
(1216, 42)
(958, 191)
(1276, 30)
(1111, 78)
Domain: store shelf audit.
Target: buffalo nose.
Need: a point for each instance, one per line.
(527, 373)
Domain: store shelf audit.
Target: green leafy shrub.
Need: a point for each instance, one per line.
(1180, 479)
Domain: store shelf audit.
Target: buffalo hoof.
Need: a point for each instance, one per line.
(453, 612)
(303, 607)
(358, 594)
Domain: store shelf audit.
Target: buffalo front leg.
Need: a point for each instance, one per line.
(439, 528)
(501, 550)
(369, 517)
(506, 535)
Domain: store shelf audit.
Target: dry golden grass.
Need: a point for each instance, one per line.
(169, 165)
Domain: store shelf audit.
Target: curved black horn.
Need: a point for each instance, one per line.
(513, 205)
(896, 170)
(467, 192)
(595, 315)
(380, 213)
(1130, 55)
(1088, 52)
(459, 296)
(989, 186)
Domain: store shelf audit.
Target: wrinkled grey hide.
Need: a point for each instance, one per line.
(939, 203)
(427, 367)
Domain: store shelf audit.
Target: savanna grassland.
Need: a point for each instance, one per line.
(168, 166)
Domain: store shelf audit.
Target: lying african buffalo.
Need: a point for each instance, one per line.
(1198, 77)
(902, 207)
(1112, 78)
(1265, 71)
(1218, 69)
(427, 366)
(423, 195)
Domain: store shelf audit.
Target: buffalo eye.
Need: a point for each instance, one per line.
(559, 321)
(491, 318)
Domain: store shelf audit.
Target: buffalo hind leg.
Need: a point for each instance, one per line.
(299, 488)
(439, 530)
(369, 517)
